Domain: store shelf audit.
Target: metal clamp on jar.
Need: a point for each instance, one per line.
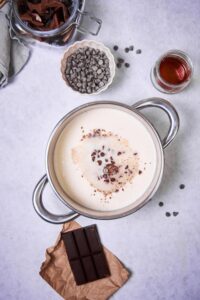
(60, 36)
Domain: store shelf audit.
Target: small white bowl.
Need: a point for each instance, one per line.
(92, 44)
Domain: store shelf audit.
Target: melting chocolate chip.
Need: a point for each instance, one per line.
(111, 169)
(99, 162)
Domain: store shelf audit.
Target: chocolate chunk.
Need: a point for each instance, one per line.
(81, 242)
(89, 268)
(85, 254)
(101, 265)
(78, 271)
(70, 245)
(93, 238)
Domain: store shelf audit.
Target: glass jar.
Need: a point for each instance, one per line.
(60, 36)
(172, 72)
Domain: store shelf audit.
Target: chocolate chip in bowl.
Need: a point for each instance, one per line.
(88, 67)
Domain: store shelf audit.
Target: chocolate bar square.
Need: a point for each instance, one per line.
(85, 254)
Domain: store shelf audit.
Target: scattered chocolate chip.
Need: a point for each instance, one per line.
(138, 51)
(126, 167)
(135, 153)
(93, 158)
(160, 203)
(127, 65)
(106, 160)
(119, 65)
(182, 186)
(112, 179)
(120, 60)
(167, 214)
(140, 172)
(131, 48)
(119, 153)
(175, 213)
(115, 47)
(126, 50)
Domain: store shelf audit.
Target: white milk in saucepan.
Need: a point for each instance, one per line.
(105, 159)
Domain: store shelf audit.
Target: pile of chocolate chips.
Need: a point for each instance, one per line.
(87, 70)
(44, 15)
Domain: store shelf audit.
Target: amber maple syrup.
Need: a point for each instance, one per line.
(172, 72)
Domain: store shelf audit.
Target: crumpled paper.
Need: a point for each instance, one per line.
(57, 272)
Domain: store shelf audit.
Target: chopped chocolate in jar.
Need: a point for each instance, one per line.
(44, 15)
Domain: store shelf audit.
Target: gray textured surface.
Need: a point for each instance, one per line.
(162, 253)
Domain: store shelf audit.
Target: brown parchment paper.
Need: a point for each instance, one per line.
(2, 2)
(57, 272)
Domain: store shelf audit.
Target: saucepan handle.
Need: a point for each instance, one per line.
(42, 211)
(171, 112)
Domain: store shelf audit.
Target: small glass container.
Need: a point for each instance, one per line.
(172, 72)
(60, 36)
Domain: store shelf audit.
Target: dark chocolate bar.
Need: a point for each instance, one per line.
(85, 254)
